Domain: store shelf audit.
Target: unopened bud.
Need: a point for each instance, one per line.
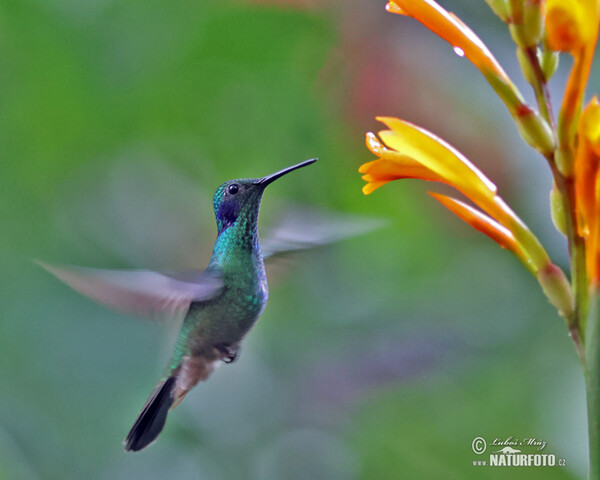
(557, 289)
(500, 8)
(535, 130)
(549, 63)
(564, 162)
(533, 25)
(525, 64)
(526, 25)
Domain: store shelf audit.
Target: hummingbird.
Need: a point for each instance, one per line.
(220, 304)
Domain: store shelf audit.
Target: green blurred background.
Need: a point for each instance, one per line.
(383, 356)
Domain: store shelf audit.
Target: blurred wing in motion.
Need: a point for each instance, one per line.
(304, 228)
(139, 292)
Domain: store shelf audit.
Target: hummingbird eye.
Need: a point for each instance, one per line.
(233, 188)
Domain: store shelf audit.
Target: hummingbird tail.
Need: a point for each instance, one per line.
(151, 420)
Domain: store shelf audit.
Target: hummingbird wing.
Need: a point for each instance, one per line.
(139, 292)
(304, 228)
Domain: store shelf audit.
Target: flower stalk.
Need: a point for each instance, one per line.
(534, 74)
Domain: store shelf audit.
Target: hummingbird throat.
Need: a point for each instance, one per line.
(238, 222)
(227, 214)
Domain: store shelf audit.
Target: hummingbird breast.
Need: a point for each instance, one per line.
(225, 319)
(214, 326)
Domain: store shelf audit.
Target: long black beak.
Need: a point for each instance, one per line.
(274, 176)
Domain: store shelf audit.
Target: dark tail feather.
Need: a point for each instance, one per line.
(151, 420)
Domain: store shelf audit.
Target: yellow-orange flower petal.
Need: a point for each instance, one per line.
(418, 153)
(451, 29)
(582, 47)
(438, 156)
(390, 166)
(481, 222)
(589, 125)
(571, 24)
(587, 185)
(388, 170)
(412, 152)
(587, 163)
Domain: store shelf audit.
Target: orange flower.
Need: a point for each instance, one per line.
(587, 185)
(453, 30)
(571, 24)
(409, 151)
(590, 125)
(413, 152)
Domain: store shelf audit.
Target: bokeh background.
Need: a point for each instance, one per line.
(382, 356)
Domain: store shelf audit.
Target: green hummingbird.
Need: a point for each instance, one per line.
(221, 303)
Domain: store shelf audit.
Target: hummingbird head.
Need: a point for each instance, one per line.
(240, 199)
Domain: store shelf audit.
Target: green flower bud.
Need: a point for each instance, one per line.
(557, 288)
(500, 8)
(526, 25)
(549, 63)
(535, 130)
(525, 65)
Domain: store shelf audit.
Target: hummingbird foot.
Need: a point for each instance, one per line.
(230, 352)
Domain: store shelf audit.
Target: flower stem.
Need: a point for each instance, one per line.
(579, 280)
(540, 86)
(577, 318)
(565, 183)
(592, 382)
